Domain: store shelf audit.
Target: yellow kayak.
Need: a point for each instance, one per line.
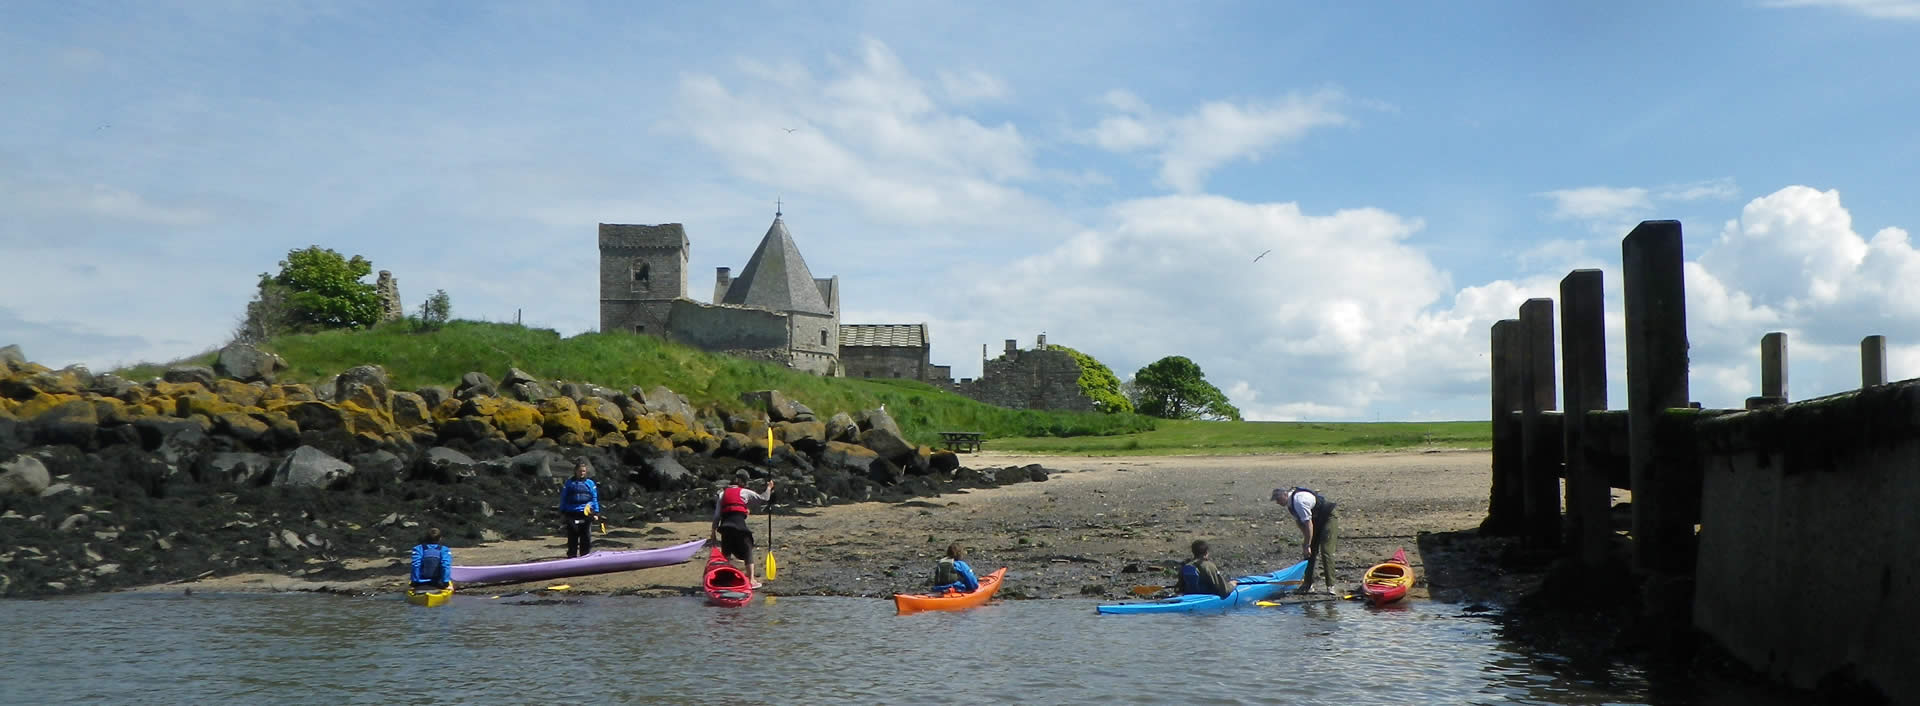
(430, 598)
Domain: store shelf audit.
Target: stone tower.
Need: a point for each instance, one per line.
(389, 291)
(643, 269)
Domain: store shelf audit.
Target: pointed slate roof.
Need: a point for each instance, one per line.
(776, 277)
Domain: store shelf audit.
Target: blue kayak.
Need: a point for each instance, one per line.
(1252, 589)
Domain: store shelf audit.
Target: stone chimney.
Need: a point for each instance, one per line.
(1013, 348)
(1041, 342)
(722, 279)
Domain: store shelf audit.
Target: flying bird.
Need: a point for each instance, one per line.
(789, 129)
(1256, 258)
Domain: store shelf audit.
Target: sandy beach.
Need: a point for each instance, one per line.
(1097, 527)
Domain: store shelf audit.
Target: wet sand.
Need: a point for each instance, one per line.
(1097, 527)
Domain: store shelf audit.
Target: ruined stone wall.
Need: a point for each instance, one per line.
(719, 328)
(1036, 379)
(1802, 504)
(642, 272)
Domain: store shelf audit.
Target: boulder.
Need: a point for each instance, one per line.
(248, 364)
(661, 399)
(848, 457)
(1035, 473)
(237, 469)
(516, 376)
(605, 416)
(561, 417)
(884, 472)
(316, 416)
(71, 423)
(575, 391)
(467, 428)
(434, 395)
(944, 461)
(808, 436)
(11, 358)
(323, 391)
(1012, 474)
(732, 444)
(475, 385)
(663, 472)
(540, 463)
(801, 412)
(367, 381)
(775, 404)
(444, 465)
(24, 475)
(879, 419)
(531, 391)
(308, 467)
(379, 466)
(840, 427)
(411, 410)
(111, 385)
(182, 374)
(156, 430)
(241, 427)
(888, 443)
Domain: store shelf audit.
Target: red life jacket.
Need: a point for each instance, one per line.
(731, 500)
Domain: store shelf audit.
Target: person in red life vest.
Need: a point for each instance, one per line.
(730, 526)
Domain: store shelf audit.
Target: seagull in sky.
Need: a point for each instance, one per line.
(789, 129)
(1256, 258)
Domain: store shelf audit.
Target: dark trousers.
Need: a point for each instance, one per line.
(579, 534)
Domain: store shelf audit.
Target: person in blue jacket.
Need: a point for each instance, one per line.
(1200, 576)
(579, 506)
(432, 562)
(953, 574)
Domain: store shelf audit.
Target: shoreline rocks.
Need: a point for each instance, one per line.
(202, 471)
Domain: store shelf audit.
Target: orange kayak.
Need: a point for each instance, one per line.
(915, 602)
(1386, 583)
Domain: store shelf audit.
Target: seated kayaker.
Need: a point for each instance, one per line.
(579, 504)
(432, 562)
(1198, 576)
(730, 522)
(953, 574)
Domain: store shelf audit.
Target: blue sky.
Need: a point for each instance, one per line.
(1104, 173)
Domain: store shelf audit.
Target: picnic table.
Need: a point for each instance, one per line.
(958, 441)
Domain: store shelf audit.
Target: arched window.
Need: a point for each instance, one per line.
(642, 275)
(823, 337)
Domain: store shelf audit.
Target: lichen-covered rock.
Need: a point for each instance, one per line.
(773, 402)
(410, 410)
(182, 374)
(41, 403)
(24, 475)
(518, 420)
(241, 427)
(363, 419)
(370, 380)
(809, 436)
(531, 391)
(240, 393)
(661, 399)
(434, 395)
(110, 410)
(11, 358)
(840, 427)
(248, 364)
(308, 467)
(72, 423)
(888, 443)
(111, 385)
(848, 457)
(603, 414)
(465, 428)
(295, 393)
(202, 403)
(316, 416)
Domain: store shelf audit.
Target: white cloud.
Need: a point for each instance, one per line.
(972, 86)
(1879, 9)
(1215, 133)
(1718, 189)
(1597, 202)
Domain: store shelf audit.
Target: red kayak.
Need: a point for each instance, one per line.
(725, 584)
(1386, 583)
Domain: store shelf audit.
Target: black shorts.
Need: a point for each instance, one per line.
(736, 543)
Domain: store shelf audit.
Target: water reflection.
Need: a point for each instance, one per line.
(317, 649)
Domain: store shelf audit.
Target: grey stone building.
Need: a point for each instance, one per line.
(890, 351)
(775, 311)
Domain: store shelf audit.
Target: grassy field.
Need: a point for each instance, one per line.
(619, 360)
(1194, 438)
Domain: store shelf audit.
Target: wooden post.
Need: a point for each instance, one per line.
(1506, 503)
(1656, 307)
(1540, 455)
(1583, 372)
(1773, 366)
(1873, 361)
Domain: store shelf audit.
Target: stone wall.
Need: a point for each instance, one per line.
(712, 327)
(816, 343)
(885, 362)
(389, 290)
(1807, 532)
(1036, 379)
(642, 270)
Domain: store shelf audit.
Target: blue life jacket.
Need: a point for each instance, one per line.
(576, 494)
(1190, 581)
(431, 570)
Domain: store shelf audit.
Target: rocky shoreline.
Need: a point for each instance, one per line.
(106, 483)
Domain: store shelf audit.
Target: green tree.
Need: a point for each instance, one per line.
(1098, 382)
(316, 289)
(435, 310)
(1175, 388)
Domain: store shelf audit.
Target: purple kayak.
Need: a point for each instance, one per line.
(595, 563)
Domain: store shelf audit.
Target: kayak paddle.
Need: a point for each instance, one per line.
(772, 567)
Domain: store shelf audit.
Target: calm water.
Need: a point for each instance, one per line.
(310, 649)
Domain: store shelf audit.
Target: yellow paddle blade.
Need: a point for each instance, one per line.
(1147, 590)
(559, 587)
(1268, 604)
(772, 566)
